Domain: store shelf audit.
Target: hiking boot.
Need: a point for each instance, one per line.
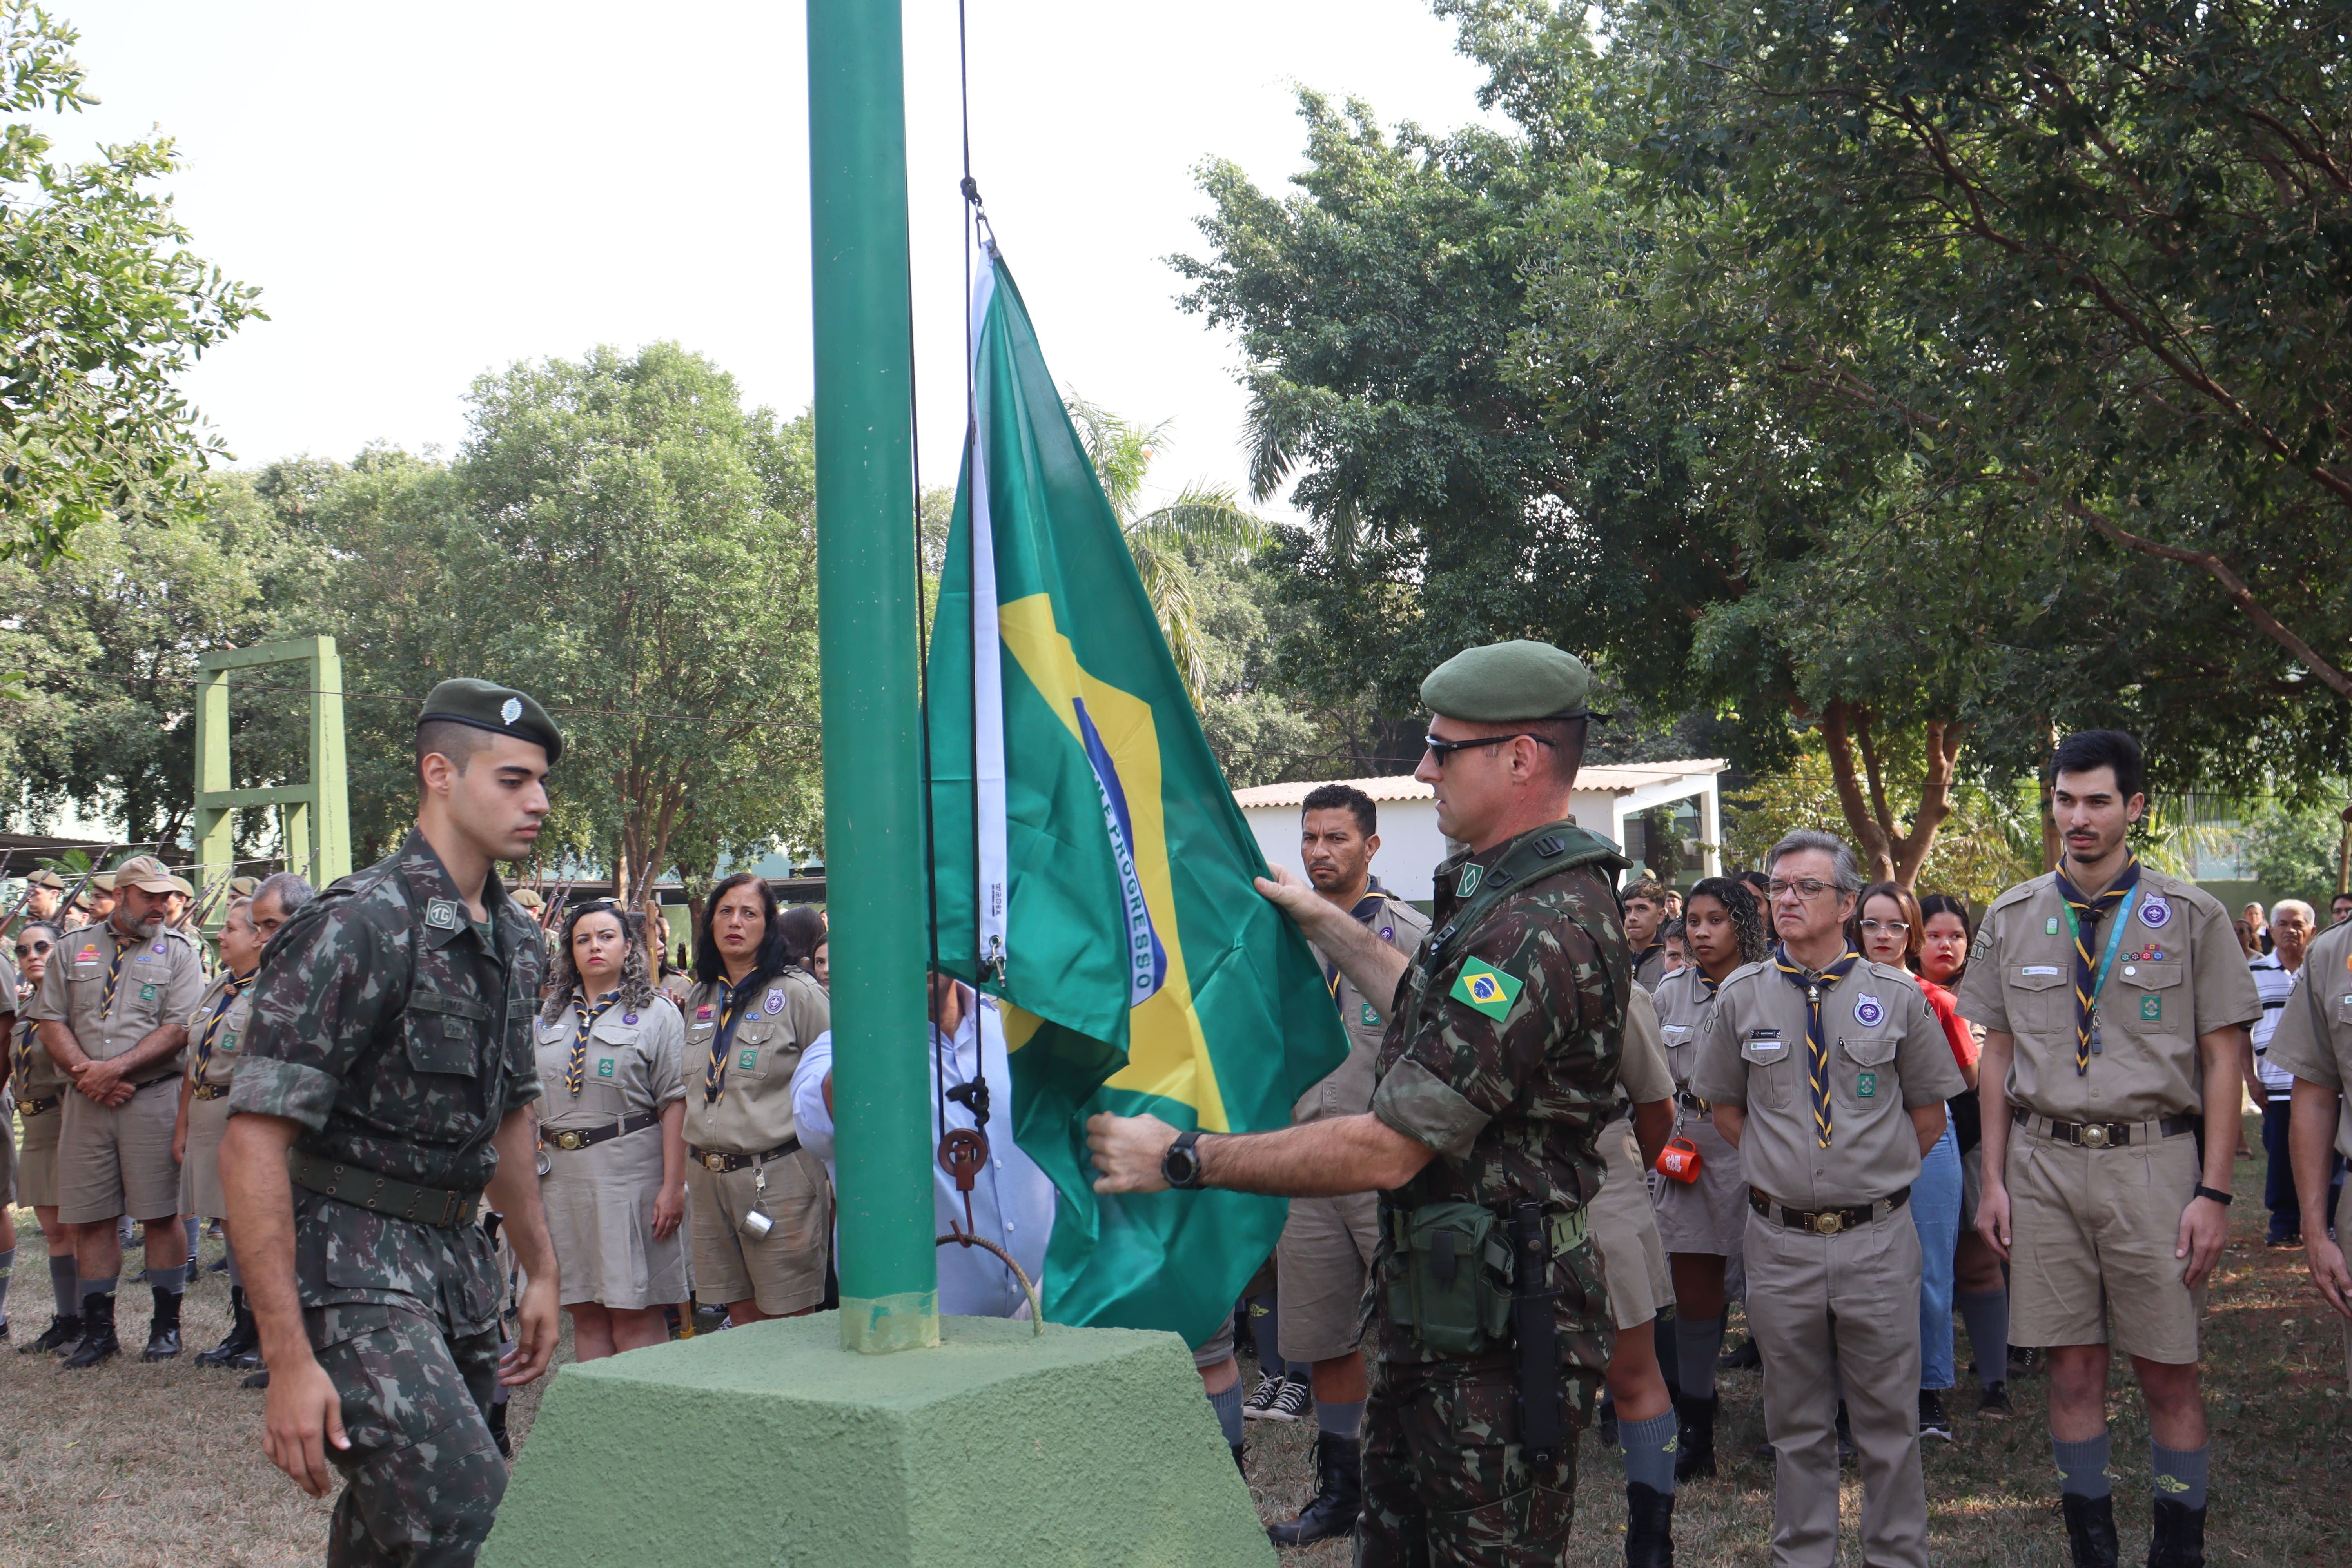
(1695, 1442)
(2090, 1529)
(238, 1350)
(97, 1341)
(1649, 1527)
(1338, 1495)
(2180, 1537)
(1261, 1398)
(61, 1335)
(163, 1330)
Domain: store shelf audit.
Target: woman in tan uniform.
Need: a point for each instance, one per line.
(762, 1213)
(40, 1086)
(612, 1160)
(216, 1028)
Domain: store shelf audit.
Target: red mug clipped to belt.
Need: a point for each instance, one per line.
(1679, 1160)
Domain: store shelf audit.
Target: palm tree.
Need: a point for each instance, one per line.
(1203, 517)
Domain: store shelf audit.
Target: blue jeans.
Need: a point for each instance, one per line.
(2278, 1176)
(1936, 1211)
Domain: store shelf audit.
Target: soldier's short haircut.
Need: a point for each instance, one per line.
(1566, 748)
(2086, 750)
(1643, 886)
(291, 891)
(1849, 871)
(457, 741)
(1344, 797)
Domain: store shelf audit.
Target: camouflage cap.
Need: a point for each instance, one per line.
(143, 873)
(1506, 681)
(501, 709)
(45, 878)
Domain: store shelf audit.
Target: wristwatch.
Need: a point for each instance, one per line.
(1179, 1167)
(2205, 1191)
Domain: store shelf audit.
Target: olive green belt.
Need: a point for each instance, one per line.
(380, 1194)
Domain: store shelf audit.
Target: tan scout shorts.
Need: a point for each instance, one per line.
(36, 1162)
(7, 1148)
(1320, 1268)
(1707, 1216)
(2091, 1236)
(782, 1272)
(1624, 1235)
(200, 1180)
(118, 1161)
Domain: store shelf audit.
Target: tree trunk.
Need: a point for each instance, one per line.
(1887, 853)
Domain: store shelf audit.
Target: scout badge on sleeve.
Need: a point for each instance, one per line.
(1679, 1161)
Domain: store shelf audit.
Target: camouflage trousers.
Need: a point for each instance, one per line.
(1446, 1484)
(424, 1475)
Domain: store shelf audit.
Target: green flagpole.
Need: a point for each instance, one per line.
(867, 623)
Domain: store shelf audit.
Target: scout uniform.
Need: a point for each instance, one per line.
(1650, 965)
(1709, 1215)
(1327, 1243)
(395, 1030)
(1625, 1225)
(41, 1089)
(610, 1070)
(217, 1029)
(2106, 1099)
(46, 880)
(743, 1153)
(8, 1004)
(1501, 1055)
(1826, 1065)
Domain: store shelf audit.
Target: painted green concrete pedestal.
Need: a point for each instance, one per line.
(770, 1446)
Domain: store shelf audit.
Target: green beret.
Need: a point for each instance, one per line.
(501, 709)
(1506, 681)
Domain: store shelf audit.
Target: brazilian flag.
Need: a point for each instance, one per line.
(1089, 853)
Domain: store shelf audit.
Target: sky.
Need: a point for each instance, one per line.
(429, 192)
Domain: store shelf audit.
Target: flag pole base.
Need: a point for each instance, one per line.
(878, 1325)
(772, 1444)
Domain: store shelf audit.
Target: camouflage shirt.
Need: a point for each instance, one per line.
(1503, 1044)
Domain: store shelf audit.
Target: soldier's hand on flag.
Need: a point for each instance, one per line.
(1295, 897)
(1128, 1150)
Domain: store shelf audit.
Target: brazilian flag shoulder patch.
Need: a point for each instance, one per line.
(1486, 988)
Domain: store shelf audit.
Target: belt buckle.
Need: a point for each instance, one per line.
(715, 1162)
(2094, 1135)
(569, 1141)
(1828, 1223)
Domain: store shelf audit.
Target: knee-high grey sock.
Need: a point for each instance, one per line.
(97, 1287)
(1228, 1406)
(65, 1284)
(196, 1229)
(1698, 1341)
(1649, 1450)
(1986, 1312)
(2082, 1466)
(2179, 1473)
(235, 1274)
(7, 1268)
(1340, 1420)
(171, 1281)
(1661, 1330)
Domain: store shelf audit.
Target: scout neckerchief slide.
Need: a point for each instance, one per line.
(575, 1071)
(1817, 1048)
(714, 1076)
(236, 982)
(2089, 981)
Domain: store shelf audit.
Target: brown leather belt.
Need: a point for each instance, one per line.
(380, 1194)
(572, 1141)
(152, 1082)
(210, 1092)
(1825, 1221)
(711, 1159)
(2102, 1134)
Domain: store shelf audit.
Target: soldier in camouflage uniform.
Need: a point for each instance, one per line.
(389, 1073)
(1497, 1071)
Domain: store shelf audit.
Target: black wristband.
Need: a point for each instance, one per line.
(2205, 1191)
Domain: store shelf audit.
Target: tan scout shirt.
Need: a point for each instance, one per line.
(2178, 974)
(1887, 1057)
(1642, 1075)
(33, 1073)
(220, 1070)
(160, 979)
(754, 1109)
(1347, 1090)
(1683, 999)
(635, 1062)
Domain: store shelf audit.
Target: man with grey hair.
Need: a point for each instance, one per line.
(1828, 1074)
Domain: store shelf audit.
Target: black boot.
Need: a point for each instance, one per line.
(1338, 1494)
(163, 1333)
(1239, 1463)
(1649, 1527)
(97, 1341)
(2179, 1538)
(1694, 1443)
(1608, 1423)
(2090, 1529)
(498, 1427)
(262, 1379)
(63, 1333)
(244, 1336)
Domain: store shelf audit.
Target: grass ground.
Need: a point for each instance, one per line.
(130, 1466)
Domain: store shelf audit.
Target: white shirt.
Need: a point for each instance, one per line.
(1012, 1199)
(2274, 981)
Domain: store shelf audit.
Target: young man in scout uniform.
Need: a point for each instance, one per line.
(1830, 1073)
(1495, 1074)
(1328, 1243)
(2313, 1042)
(1645, 899)
(2115, 1002)
(43, 888)
(108, 1013)
(389, 1063)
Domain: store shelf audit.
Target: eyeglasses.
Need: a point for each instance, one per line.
(1887, 928)
(1803, 886)
(27, 949)
(1442, 749)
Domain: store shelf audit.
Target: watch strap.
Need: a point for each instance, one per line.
(1191, 1157)
(2220, 1197)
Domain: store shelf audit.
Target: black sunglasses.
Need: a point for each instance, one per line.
(27, 950)
(1442, 749)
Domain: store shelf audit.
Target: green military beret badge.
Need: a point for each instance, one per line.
(501, 709)
(1486, 988)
